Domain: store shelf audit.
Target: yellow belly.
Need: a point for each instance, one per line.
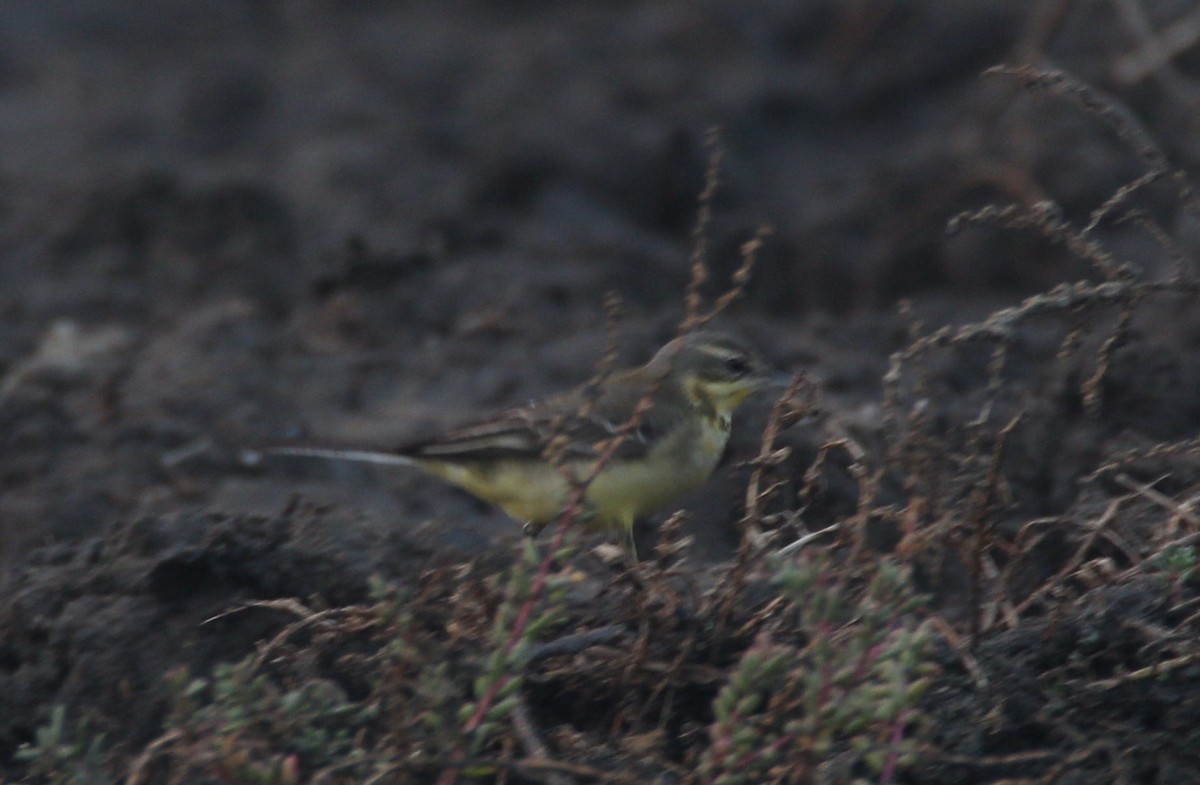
(529, 491)
(623, 492)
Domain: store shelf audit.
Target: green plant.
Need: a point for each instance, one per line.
(851, 688)
(520, 619)
(61, 757)
(1179, 562)
(258, 730)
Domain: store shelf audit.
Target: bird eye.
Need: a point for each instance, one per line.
(737, 366)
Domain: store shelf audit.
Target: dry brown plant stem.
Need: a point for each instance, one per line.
(696, 317)
(1097, 529)
(786, 411)
(983, 520)
(694, 314)
(692, 299)
(1157, 49)
(571, 513)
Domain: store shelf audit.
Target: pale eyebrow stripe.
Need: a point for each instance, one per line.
(720, 352)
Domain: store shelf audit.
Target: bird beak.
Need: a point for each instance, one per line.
(777, 380)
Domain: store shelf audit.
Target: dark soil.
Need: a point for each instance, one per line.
(230, 224)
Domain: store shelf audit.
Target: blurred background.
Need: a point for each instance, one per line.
(229, 223)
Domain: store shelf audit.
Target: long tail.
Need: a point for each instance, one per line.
(358, 456)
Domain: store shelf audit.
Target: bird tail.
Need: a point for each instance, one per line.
(377, 457)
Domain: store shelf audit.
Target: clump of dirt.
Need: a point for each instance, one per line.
(97, 624)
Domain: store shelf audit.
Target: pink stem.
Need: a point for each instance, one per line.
(570, 513)
(889, 766)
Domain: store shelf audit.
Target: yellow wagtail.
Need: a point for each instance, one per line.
(692, 386)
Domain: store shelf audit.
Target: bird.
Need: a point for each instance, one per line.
(528, 460)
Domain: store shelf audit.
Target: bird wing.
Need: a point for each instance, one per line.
(527, 432)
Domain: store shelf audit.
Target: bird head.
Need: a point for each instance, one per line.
(716, 370)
